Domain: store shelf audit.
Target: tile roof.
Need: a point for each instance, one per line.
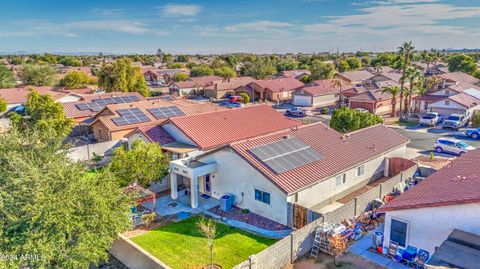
(71, 110)
(465, 100)
(189, 108)
(19, 95)
(460, 77)
(279, 84)
(156, 133)
(231, 84)
(320, 87)
(372, 95)
(198, 82)
(340, 152)
(460, 87)
(211, 130)
(357, 75)
(296, 73)
(456, 183)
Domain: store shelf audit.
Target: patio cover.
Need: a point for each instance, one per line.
(460, 250)
(177, 147)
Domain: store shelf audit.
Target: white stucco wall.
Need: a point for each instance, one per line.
(451, 105)
(136, 136)
(326, 189)
(177, 134)
(234, 175)
(429, 227)
(69, 98)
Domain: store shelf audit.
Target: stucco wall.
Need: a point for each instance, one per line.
(429, 227)
(326, 99)
(234, 175)
(177, 134)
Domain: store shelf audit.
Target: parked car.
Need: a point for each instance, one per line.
(431, 119)
(362, 110)
(235, 98)
(234, 105)
(473, 133)
(453, 146)
(455, 121)
(296, 111)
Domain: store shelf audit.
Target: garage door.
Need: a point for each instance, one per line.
(302, 100)
(447, 112)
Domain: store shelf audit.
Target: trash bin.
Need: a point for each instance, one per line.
(377, 239)
(226, 202)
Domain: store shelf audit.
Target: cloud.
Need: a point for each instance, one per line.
(178, 10)
(122, 26)
(258, 26)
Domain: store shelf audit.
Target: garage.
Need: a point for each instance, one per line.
(302, 100)
(447, 111)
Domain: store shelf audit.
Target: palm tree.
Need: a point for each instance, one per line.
(413, 75)
(393, 91)
(406, 51)
(432, 82)
(426, 58)
(338, 83)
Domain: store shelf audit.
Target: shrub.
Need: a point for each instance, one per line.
(476, 121)
(245, 211)
(3, 105)
(245, 98)
(149, 218)
(325, 110)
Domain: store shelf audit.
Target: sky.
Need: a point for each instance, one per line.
(256, 26)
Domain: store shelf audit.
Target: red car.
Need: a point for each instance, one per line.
(235, 99)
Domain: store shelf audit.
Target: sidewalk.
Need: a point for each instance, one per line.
(360, 248)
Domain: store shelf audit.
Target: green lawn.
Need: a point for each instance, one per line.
(180, 245)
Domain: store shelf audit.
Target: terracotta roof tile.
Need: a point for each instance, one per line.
(339, 153)
(372, 95)
(198, 82)
(460, 77)
(320, 87)
(19, 95)
(358, 75)
(297, 73)
(465, 99)
(210, 130)
(456, 183)
(279, 84)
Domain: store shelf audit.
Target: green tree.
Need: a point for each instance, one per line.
(366, 61)
(245, 97)
(287, 64)
(3, 105)
(393, 91)
(261, 68)
(354, 63)
(468, 67)
(346, 120)
(476, 120)
(75, 80)
(53, 208)
(201, 70)
(70, 61)
(122, 76)
(37, 75)
(180, 77)
(44, 116)
(7, 80)
(343, 66)
(176, 65)
(459, 61)
(225, 72)
(406, 52)
(50, 58)
(414, 76)
(144, 163)
(321, 70)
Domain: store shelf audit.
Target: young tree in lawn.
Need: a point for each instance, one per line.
(393, 91)
(44, 116)
(406, 52)
(209, 229)
(37, 75)
(122, 76)
(53, 209)
(7, 80)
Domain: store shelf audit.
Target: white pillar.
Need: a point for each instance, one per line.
(387, 167)
(173, 185)
(194, 191)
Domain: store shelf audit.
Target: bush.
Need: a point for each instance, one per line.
(476, 120)
(347, 120)
(245, 98)
(3, 105)
(325, 110)
(147, 219)
(245, 211)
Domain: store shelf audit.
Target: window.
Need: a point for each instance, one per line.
(340, 180)
(262, 196)
(447, 102)
(447, 92)
(360, 170)
(398, 232)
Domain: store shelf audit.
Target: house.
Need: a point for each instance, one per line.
(268, 162)
(356, 77)
(427, 214)
(193, 85)
(317, 93)
(375, 101)
(450, 79)
(296, 73)
(155, 76)
(115, 121)
(224, 89)
(432, 68)
(17, 96)
(465, 103)
(274, 90)
(421, 103)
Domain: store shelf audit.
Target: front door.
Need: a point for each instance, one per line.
(299, 216)
(208, 186)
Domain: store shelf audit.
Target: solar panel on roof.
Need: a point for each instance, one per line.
(166, 112)
(99, 103)
(285, 155)
(130, 116)
(168, 98)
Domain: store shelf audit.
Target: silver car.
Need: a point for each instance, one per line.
(452, 146)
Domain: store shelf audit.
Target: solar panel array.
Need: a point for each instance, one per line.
(285, 155)
(168, 98)
(130, 116)
(99, 104)
(166, 112)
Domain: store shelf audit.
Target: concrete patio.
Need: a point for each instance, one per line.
(166, 206)
(361, 248)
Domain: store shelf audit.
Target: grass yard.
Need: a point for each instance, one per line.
(180, 245)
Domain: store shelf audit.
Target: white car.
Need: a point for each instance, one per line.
(452, 146)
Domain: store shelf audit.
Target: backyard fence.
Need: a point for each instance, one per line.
(299, 242)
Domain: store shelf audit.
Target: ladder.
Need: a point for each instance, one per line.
(320, 243)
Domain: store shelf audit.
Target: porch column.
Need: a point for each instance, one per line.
(387, 167)
(194, 191)
(173, 185)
